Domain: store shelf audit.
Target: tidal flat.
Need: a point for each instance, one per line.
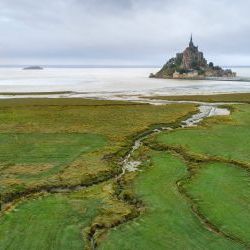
(62, 175)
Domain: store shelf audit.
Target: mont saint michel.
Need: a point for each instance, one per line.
(191, 64)
(95, 155)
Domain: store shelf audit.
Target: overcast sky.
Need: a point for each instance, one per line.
(145, 32)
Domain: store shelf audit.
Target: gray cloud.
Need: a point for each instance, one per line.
(122, 31)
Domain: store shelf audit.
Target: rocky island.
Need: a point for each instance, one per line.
(191, 64)
(33, 68)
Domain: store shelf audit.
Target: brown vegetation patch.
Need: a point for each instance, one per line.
(26, 169)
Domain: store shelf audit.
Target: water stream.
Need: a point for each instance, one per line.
(128, 164)
(205, 110)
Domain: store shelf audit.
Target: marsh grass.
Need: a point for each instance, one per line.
(167, 222)
(222, 193)
(227, 138)
(78, 138)
(59, 221)
(208, 185)
(142, 210)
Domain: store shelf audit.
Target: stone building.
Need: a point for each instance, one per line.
(191, 64)
(192, 57)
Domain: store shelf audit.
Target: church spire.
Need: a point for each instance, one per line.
(191, 41)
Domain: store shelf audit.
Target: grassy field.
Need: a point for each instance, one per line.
(52, 222)
(46, 148)
(168, 222)
(58, 221)
(222, 193)
(31, 159)
(55, 142)
(69, 142)
(64, 141)
(219, 191)
(228, 138)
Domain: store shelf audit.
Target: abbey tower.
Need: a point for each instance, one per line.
(191, 64)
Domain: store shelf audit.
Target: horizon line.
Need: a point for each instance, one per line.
(98, 66)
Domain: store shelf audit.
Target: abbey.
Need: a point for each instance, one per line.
(191, 64)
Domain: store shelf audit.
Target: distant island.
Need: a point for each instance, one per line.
(191, 64)
(33, 68)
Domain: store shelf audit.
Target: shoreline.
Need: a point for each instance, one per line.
(132, 96)
(221, 79)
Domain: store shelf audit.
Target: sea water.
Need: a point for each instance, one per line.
(111, 81)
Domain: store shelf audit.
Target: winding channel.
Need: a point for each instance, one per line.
(205, 111)
(128, 164)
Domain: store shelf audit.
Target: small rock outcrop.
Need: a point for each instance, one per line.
(191, 64)
(33, 68)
